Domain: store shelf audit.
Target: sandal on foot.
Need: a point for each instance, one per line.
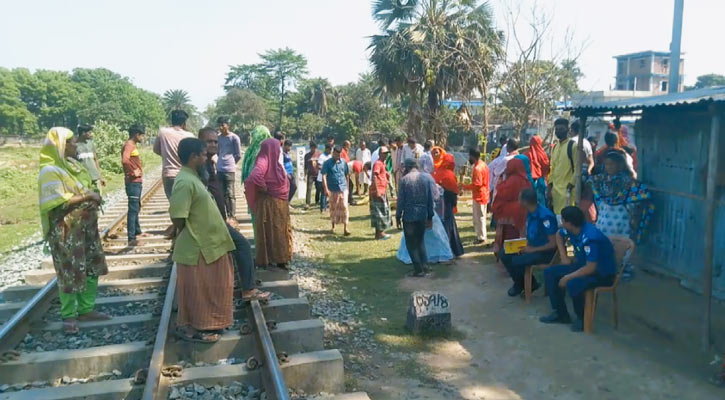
(94, 316)
(257, 295)
(70, 327)
(198, 336)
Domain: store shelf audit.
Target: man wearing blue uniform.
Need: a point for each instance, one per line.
(541, 229)
(594, 265)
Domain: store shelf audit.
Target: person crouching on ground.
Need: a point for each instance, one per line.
(69, 216)
(541, 229)
(379, 208)
(334, 181)
(242, 255)
(415, 213)
(593, 265)
(205, 272)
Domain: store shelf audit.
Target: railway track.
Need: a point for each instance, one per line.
(271, 348)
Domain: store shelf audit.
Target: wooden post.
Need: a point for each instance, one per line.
(578, 164)
(712, 169)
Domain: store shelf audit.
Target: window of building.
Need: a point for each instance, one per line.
(641, 63)
(665, 62)
(663, 86)
(620, 68)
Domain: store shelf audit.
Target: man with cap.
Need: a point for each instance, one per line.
(379, 209)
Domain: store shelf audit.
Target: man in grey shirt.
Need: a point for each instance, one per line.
(230, 152)
(415, 213)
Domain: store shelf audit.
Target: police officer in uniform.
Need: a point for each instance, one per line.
(594, 265)
(541, 229)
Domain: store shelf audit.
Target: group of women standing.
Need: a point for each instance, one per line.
(622, 202)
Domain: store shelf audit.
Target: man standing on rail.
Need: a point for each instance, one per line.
(230, 152)
(167, 145)
(243, 253)
(133, 174)
(205, 272)
(87, 156)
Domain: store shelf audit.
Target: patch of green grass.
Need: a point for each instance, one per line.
(369, 272)
(19, 218)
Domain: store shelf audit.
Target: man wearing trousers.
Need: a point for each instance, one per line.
(415, 213)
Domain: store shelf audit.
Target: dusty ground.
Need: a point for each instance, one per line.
(499, 349)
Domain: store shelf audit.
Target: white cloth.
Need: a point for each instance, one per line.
(437, 245)
(479, 221)
(363, 155)
(320, 162)
(496, 170)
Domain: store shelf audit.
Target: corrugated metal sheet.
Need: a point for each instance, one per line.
(710, 94)
(673, 152)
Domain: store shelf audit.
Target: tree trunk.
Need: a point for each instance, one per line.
(484, 142)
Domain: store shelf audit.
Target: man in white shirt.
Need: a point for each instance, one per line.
(363, 155)
(426, 159)
(412, 150)
(326, 155)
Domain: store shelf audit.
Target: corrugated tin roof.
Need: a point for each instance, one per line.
(716, 93)
(647, 53)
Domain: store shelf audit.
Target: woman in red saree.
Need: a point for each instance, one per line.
(445, 176)
(509, 215)
(539, 167)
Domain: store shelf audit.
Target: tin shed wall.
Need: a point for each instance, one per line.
(673, 152)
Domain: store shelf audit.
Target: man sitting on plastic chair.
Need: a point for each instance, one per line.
(540, 247)
(593, 265)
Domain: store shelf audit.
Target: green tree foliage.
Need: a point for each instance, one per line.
(109, 139)
(31, 103)
(244, 109)
(272, 79)
(430, 49)
(709, 80)
(176, 99)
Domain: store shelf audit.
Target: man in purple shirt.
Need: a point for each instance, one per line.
(229, 153)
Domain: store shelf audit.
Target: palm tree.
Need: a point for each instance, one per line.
(431, 49)
(320, 90)
(176, 99)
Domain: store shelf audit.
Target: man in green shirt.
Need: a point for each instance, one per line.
(205, 277)
(87, 156)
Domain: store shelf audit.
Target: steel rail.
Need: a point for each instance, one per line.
(14, 330)
(276, 388)
(153, 375)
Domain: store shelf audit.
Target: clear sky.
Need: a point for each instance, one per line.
(184, 44)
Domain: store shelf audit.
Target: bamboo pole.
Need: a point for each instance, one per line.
(712, 169)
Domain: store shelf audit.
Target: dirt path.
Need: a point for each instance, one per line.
(499, 349)
(508, 354)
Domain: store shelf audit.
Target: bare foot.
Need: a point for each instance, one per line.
(94, 316)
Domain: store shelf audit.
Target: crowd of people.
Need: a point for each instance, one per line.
(527, 193)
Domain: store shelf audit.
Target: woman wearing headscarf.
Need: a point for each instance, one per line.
(438, 154)
(69, 216)
(510, 216)
(445, 176)
(539, 167)
(623, 204)
(267, 189)
(259, 135)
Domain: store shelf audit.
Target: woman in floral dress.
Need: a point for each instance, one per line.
(69, 216)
